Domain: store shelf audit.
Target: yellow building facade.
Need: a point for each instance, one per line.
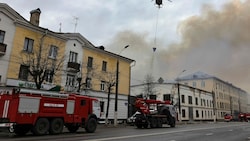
(40, 38)
(107, 73)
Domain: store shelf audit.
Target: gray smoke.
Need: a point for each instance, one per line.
(216, 42)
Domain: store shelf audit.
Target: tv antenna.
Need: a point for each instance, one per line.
(76, 20)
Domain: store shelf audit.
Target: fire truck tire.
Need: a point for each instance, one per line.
(153, 122)
(145, 125)
(159, 123)
(172, 122)
(72, 128)
(41, 127)
(56, 126)
(21, 130)
(91, 125)
(139, 126)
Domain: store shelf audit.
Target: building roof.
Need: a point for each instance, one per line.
(196, 75)
(201, 75)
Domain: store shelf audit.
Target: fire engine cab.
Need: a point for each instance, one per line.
(43, 112)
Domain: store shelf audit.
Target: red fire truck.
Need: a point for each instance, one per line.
(154, 113)
(44, 112)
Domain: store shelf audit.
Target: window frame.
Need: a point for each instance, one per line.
(70, 80)
(23, 72)
(104, 66)
(49, 74)
(190, 99)
(2, 34)
(102, 85)
(90, 62)
(73, 56)
(53, 52)
(28, 45)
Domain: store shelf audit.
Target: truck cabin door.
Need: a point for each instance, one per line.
(96, 108)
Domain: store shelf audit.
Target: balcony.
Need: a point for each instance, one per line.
(73, 66)
(2, 49)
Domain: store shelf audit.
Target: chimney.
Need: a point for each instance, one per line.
(35, 16)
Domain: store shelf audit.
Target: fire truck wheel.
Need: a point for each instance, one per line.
(145, 125)
(139, 126)
(91, 125)
(41, 127)
(21, 130)
(159, 123)
(153, 122)
(56, 126)
(172, 122)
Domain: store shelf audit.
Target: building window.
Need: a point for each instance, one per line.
(104, 66)
(90, 62)
(23, 72)
(49, 75)
(28, 45)
(73, 56)
(196, 101)
(166, 97)
(197, 113)
(194, 84)
(2, 34)
(182, 99)
(88, 83)
(201, 102)
(103, 85)
(190, 101)
(53, 52)
(183, 111)
(152, 96)
(102, 106)
(70, 81)
(203, 84)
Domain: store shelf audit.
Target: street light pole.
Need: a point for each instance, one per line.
(116, 87)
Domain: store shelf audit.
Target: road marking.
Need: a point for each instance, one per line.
(158, 133)
(209, 134)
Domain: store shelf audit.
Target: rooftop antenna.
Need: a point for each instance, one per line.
(76, 20)
(60, 27)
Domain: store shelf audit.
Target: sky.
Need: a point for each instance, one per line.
(210, 36)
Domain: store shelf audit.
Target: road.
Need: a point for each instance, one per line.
(221, 131)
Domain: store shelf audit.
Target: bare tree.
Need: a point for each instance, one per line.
(109, 81)
(41, 64)
(84, 77)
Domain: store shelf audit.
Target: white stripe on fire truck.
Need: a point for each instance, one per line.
(6, 108)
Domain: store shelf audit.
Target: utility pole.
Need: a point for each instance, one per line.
(179, 99)
(116, 87)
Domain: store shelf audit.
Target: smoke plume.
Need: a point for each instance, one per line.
(216, 42)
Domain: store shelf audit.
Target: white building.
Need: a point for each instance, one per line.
(195, 104)
(7, 32)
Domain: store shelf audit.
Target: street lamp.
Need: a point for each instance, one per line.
(116, 86)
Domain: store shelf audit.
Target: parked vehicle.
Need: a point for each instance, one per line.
(131, 120)
(244, 117)
(228, 117)
(42, 112)
(154, 113)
